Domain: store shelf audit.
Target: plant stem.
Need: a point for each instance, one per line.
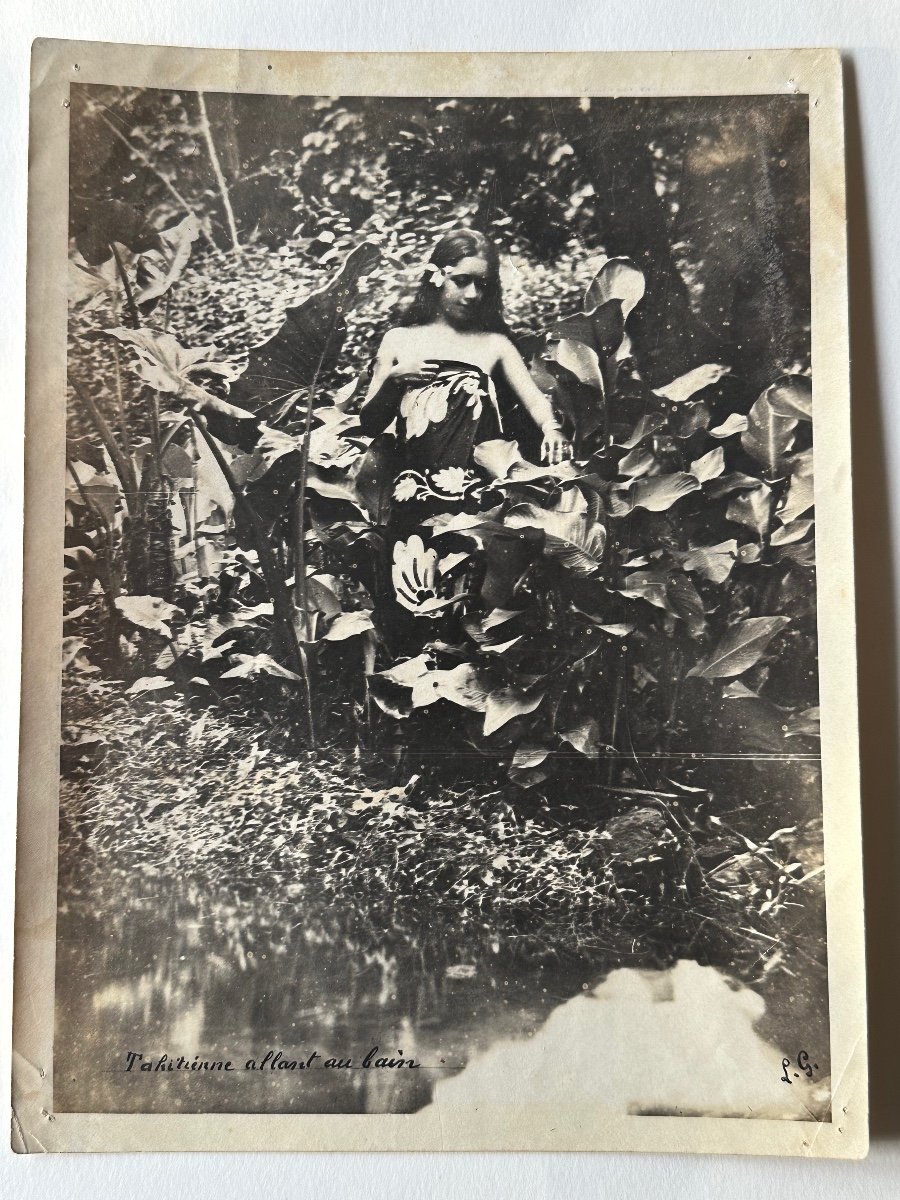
(123, 465)
(280, 598)
(129, 295)
(217, 171)
(300, 512)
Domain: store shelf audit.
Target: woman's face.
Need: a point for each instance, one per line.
(463, 289)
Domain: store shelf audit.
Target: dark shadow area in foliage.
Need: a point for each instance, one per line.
(877, 649)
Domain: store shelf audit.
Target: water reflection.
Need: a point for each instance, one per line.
(159, 965)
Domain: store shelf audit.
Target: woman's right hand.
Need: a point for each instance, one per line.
(413, 371)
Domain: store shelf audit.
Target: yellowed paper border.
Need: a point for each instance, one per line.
(523, 1124)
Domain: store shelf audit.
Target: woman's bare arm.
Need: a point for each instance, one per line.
(394, 370)
(555, 446)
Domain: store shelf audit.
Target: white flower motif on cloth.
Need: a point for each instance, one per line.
(407, 486)
(425, 406)
(448, 483)
(414, 574)
(452, 480)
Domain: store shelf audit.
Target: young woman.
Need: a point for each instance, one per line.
(435, 374)
(435, 371)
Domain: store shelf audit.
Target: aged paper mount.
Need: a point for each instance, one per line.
(561, 1099)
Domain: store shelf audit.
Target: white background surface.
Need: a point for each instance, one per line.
(868, 32)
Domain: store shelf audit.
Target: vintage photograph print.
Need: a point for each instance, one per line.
(440, 679)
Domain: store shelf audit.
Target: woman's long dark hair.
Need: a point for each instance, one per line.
(451, 249)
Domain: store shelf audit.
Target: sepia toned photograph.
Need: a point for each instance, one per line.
(439, 696)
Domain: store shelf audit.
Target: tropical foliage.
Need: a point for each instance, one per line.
(576, 630)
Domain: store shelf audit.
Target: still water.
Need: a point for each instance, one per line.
(151, 965)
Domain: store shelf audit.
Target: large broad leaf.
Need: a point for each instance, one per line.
(710, 466)
(752, 508)
(348, 625)
(686, 602)
(165, 365)
(685, 386)
(309, 341)
(159, 269)
(733, 423)
(618, 279)
(147, 612)
(248, 666)
(712, 562)
(769, 434)
(573, 535)
(649, 424)
(800, 495)
(637, 462)
(581, 361)
(463, 685)
(791, 396)
(503, 461)
(584, 737)
(504, 704)
(656, 493)
(741, 648)
(650, 585)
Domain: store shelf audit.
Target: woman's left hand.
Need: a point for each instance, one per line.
(556, 447)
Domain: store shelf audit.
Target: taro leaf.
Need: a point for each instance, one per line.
(791, 396)
(348, 625)
(373, 476)
(391, 690)
(800, 494)
(710, 466)
(802, 553)
(160, 269)
(656, 493)
(680, 390)
(734, 423)
(252, 665)
(584, 737)
(582, 361)
(647, 425)
(686, 602)
(804, 724)
(752, 508)
(769, 434)
(96, 224)
(508, 702)
(147, 612)
(321, 596)
(649, 585)
(712, 562)
(637, 462)
(504, 462)
(743, 645)
(166, 366)
(499, 616)
(150, 683)
(601, 331)
(733, 482)
(574, 538)
(527, 767)
(617, 280)
(795, 532)
(462, 685)
(87, 284)
(688, 419)
(309, 340)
